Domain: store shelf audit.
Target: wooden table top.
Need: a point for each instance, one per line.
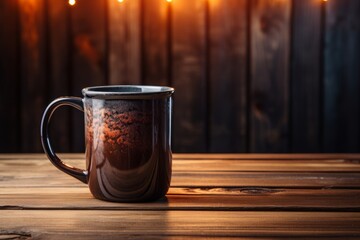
(211, 195)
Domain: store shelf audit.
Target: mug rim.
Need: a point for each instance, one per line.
(127, 91)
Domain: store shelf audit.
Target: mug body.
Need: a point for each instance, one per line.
(128, 142)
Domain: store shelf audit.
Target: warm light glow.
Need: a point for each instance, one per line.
(169, 0)
(325, 0)
(72, 2)
(120, 1)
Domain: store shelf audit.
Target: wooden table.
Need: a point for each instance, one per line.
(212, 195)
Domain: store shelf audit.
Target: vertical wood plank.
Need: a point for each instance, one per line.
(33, 72)
(59, 79)
(124, 42)
(154, 42)
(89, 56)
(269, 75)
(189, 75)
(9, 77)
(228, 70)
(342, 77)
(305, 76)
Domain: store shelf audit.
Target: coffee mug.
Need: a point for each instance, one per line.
(127, 138)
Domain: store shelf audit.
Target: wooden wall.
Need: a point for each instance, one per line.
(250, 75)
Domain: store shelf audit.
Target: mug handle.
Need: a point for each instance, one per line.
(77, 103)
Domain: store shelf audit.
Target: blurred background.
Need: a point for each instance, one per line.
(250, 75)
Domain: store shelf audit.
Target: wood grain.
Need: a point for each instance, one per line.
(210, 156)
(306, 76)
(341, 129)
(209, 175)
(124, 42)
(89, 56)
(227, 73)
(270, 44)
(287, 82)
(155, 60)
(273, 156)
(59, 69)
(255, 179)
(268, 165)
(300, 65)
(209, 199)
(9, 76)
(117, 224)
(33, 72)
(213, 165)
(207, 179)
(189, 76)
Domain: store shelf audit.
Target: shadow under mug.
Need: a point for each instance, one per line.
(127, 138)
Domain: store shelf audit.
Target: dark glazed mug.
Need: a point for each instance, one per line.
(128, 141)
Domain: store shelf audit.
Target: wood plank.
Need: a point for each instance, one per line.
(228, 206)
(266, 166)
(197, 156)
(155, 62)
(116, 224)
(189, 76)
(206, 179)
(264, 179)
(227, 73)
(89, 56)
(341, 80)
(59, 79)
(305, 76)
(43, 174)
(33, 72)
(212, 165)
(210, 199)
(270, 25)
(9, 76)
(124, 42)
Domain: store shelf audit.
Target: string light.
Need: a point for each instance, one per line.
(72, 2)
